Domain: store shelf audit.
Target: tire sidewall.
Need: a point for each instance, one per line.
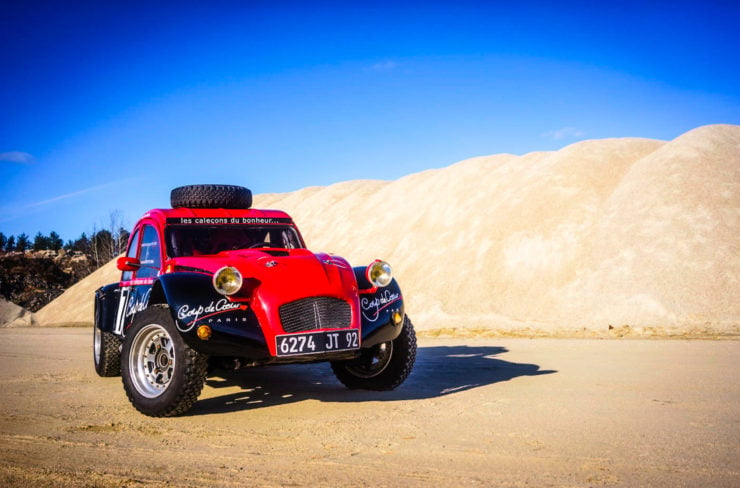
(169, 401)
(395, 372)
(106, 353)
(98, 349)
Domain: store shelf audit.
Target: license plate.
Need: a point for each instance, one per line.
(317, 342)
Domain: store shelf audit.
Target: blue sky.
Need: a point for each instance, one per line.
(109, 105)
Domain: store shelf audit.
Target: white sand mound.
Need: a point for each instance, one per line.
(11, 315)
(76, 305)
(604, 232)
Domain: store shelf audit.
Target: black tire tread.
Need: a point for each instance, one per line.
(211, 196)
(402, 362)
(194, 375)
(110, 356)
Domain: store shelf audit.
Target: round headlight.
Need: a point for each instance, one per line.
(379, 273)
(227, 280)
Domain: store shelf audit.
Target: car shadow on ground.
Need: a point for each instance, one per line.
(439, 371)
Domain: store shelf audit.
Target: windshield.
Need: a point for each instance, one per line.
(183, 240)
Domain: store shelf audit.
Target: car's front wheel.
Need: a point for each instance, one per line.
(161, 374)
(383, 366)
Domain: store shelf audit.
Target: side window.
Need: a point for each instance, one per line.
(131, 253)
(289, 240)
(149, 256)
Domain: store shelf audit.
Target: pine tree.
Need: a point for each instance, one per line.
(22, 243)
(55, 242)
(41, 242)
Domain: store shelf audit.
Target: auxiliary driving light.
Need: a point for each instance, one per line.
(379, 273)
(397, 318)
(204, 332)
(227, 280)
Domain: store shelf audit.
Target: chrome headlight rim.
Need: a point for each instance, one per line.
(227, 280)
(379, 273)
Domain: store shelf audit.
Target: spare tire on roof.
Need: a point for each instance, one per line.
(211, 196)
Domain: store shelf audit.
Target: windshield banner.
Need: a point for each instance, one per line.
(226, 221)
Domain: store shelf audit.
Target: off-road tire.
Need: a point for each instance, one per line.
(381, 367)
(211, 196)
(106, 353)
(161, 374)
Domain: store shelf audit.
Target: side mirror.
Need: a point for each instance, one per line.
(125, 263)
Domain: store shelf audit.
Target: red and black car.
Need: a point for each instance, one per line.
(213, 284)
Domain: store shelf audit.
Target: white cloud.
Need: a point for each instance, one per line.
(15, 211)
(70, 195)
(383, 66)
(564, 133)
(16, 157)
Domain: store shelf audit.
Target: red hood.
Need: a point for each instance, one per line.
(271, 281)
(282, 278)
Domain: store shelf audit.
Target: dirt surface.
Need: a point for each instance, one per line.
(498, 412)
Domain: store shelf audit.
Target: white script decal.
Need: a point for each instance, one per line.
(188, 313)
(135, 306)
(371, 307)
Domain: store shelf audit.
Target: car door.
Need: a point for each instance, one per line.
(136, 286)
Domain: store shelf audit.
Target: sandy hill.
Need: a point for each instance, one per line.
(75, 306)
(11, 315)
(606, 232)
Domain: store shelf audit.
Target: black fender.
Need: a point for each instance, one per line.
(193, 301)
(378, 306)
(106, 306)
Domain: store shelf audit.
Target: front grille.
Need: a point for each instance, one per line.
(315, 313)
